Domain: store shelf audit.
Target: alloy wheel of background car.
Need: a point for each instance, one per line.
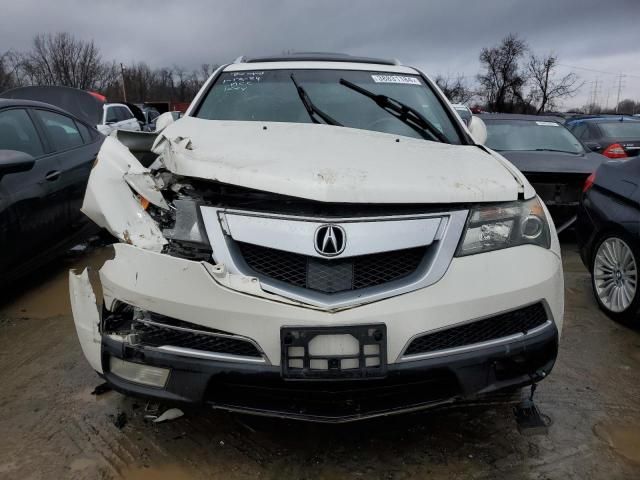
(615, 277)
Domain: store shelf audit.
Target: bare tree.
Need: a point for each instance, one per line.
(628, 107)
(546, 88)
(140, 80)
(503, 81)
(7, 80)
(206, 69)
(592, 108)
(455, 89)
(11, 74)
(182, 83)
(61, 59)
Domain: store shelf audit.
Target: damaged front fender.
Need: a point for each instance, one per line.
(111, 200)
(86, 316)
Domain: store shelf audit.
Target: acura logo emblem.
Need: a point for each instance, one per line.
(330, 240)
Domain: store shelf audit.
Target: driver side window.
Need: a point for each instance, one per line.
(17, 132)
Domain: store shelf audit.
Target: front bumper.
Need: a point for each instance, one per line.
(408, 386)
(473, 287)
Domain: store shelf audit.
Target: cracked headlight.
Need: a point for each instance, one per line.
(188, 225)
(505, 225)
(182, 226)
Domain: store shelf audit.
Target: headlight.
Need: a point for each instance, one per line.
(183, 228)
(504, 225)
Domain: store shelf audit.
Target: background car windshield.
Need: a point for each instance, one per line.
(530, 135)
(621, 129)
(271, 96)
(464, 114)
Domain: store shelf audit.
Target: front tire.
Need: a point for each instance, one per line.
(614, 277)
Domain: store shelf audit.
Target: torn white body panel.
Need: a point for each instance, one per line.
(86, 316)
(144, 185)
(335, 164)
(112, 204)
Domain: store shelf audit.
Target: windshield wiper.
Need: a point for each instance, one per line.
(312, 110)
(406, 114)
(554, 150)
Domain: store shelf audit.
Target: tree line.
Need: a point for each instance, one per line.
(513, 78)
(62, 59)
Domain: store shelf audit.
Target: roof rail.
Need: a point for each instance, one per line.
(240, 59)
(321, 57)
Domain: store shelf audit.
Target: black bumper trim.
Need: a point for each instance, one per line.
(408, 386)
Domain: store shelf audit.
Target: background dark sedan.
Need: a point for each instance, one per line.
(46, 156)
(613, 136)
(608, 231)
(553, 160)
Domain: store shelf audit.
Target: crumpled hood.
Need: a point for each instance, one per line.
(334, 164)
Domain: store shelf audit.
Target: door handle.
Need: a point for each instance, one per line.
(52, 175)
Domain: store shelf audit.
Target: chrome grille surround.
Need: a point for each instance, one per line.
(438, 232)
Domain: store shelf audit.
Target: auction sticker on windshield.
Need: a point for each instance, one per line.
(395, 79)
(548, 124)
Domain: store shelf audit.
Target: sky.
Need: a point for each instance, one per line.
(601, 37)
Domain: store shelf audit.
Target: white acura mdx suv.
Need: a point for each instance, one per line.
(320, 238)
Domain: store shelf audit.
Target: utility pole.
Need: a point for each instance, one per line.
(124, 88)
(593, 96)
(619, 90)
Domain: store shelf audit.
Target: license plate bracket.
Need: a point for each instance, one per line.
(300, 359)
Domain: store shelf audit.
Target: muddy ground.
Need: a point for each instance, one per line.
(51, 426)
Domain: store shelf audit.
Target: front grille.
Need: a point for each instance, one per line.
(499, 326)
(335, 275)
(157, 335)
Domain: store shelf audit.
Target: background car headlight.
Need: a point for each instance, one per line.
(504, 225)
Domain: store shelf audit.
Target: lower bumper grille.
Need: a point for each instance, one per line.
(492, 328)
(333, 401)
(334, 275)
(155, 334)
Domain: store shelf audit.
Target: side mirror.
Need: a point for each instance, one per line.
(593, 146)
(163, 121)
(12, 161)
(478, 130)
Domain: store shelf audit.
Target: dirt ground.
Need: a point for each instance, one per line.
(51, 426)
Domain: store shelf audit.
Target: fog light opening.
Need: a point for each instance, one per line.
(139, 373)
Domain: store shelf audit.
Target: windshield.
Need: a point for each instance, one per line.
(530, 135)
(621, 129)
(271, 96)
